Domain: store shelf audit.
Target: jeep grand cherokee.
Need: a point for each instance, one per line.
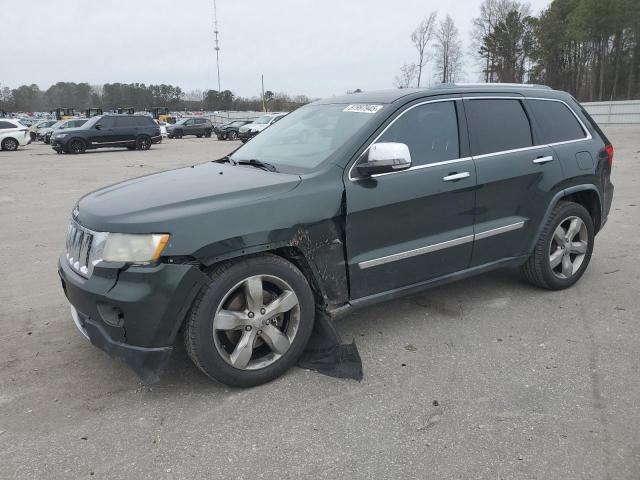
(343, 203)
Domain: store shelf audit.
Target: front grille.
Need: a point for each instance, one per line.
(78, 249)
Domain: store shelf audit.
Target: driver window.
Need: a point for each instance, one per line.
(430, 131)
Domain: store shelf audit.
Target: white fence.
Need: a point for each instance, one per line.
(609, 113)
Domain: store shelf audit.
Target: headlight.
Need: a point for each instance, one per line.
(121, 247)
(61, 135)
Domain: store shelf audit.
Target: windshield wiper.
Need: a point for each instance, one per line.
(258, 164)
(226, 159)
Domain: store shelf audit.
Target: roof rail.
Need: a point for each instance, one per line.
(519, 85)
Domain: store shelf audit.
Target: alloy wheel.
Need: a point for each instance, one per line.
(568, 247)
(10, 144)
(256, 322)
(144, 143)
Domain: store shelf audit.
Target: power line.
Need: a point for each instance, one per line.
(217, 47)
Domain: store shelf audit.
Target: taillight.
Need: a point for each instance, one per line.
(609, 149)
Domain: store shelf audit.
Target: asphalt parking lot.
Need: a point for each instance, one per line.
(485, 378)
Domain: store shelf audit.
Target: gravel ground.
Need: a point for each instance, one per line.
(485, 378)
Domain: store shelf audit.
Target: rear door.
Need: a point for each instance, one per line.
(414, 225)
(125, 130)
(516, 178)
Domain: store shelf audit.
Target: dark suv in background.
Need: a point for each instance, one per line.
(341, 204)
(135, 132)
(229, 130)
(198, 126)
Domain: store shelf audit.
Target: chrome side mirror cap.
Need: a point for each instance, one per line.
(385, 157)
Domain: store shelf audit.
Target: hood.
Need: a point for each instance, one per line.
(259, 127)
(154, 202)
(245, 128)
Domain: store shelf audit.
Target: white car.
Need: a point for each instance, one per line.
(163, 128)
(13, 134)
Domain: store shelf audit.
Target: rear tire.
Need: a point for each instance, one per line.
(207, 133)
(10, 144)
(563, 250)
(252, 322)
(143, 142)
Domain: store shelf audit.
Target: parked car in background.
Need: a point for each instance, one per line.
(135, 132)
(433, 185)
(13, 134)
(247, 132)
(163, 128)
(63, 125)
(34, 130)
(229, 130)
(198, 126)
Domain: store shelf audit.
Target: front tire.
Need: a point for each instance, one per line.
(252, 322)
(76, 146)
(563, 250)
(207, 133)
(232, 135)
(10, 144)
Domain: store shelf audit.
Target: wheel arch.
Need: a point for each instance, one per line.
(289, 252)
(586, 195)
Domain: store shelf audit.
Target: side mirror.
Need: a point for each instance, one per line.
(98, 126)
(384, 158)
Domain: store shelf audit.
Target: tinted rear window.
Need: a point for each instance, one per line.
(125, 121)
(142, 121)
(557, 123)
(4, 125)
(497, 125)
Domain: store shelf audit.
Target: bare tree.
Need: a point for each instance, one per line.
(407, 76)
(448, 51)
(420, 38)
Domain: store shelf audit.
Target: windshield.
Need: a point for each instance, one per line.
(58, 124)
(263, 119)
(305, 138)
(181, 121)
(92, 121)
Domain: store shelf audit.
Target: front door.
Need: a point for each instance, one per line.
(103, 131)
(414, 225)
(516, 177)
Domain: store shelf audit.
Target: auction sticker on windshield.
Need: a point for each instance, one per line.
(362, 108)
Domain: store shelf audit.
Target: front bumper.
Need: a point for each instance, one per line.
(134, 313)
(247, 135)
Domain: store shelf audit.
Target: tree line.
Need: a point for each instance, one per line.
(589, 48)
(81, 96)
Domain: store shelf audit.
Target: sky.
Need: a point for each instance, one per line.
(317, 48)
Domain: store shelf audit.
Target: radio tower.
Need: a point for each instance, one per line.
(217, 48)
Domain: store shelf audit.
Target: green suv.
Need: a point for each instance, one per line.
(343, 203)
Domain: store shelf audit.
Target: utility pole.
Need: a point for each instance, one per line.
(264, 105)
(217, 47)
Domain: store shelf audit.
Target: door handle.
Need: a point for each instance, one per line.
(456, 176)
(541, 160)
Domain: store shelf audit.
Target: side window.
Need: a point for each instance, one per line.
(497, 125)
(141, 121)
(107, 122)
(4, 125)
(430, 131)
(125, 122)
(556, 122)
